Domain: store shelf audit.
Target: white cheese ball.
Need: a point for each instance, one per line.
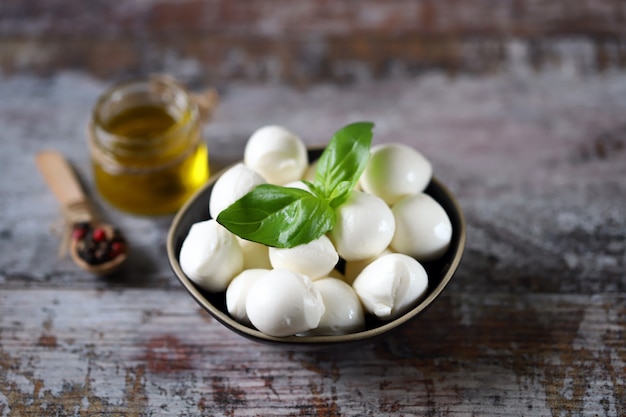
(344, 313)
(277, 154)
(391, 285)
(255, 255)
(283, 303)
(237, 292)
(423, 227)
(233, 184)
(394, 171)
(298, 184)
(314, 259)
(354, 268)
(210, 255)
(364, 227)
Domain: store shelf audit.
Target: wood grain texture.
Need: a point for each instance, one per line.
(533, 324)
(125, 353)
(302, 43)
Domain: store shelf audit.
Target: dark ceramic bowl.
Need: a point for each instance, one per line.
(440, 272)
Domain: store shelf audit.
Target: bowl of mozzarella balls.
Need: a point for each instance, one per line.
(318, 247)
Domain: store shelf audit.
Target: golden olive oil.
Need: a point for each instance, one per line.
(148, 155)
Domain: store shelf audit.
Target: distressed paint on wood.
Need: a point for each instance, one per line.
(128, 352)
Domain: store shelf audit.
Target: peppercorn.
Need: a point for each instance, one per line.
(116, 248)
(98, 234)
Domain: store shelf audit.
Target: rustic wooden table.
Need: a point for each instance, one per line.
(533, 324)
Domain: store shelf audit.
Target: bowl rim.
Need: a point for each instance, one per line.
(367, 334)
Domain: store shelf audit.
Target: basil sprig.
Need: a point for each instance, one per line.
(285, 217)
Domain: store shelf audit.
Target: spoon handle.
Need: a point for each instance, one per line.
(61, 179)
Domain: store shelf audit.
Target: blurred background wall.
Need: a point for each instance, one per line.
(302, 42)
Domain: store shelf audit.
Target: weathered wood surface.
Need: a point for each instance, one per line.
(301, 42)
(533, 324)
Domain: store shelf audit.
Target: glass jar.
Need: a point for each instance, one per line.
(145, 141)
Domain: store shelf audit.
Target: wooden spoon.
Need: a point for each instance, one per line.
(96, 247)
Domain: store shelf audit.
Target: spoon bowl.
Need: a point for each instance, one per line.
(108, 244)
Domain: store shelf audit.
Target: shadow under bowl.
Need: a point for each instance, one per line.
(440, 272)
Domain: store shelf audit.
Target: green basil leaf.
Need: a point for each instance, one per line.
(345, 157)
(278, 216)
(314, 189)
(340, 194)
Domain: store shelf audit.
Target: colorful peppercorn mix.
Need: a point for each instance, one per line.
(95, 245)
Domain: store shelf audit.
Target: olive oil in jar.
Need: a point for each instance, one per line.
(147, 152)
(147, 122)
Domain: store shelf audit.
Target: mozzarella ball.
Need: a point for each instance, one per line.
(394, 171)
(354, 268)
(255, 255)
(277, 154)
(233, 184)
(237, 292)
(391, 285)
(314, 259)
(298, 184)
(364, 227)
(210, 255)
(283, 302)
(344, 313)
(423, 228)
